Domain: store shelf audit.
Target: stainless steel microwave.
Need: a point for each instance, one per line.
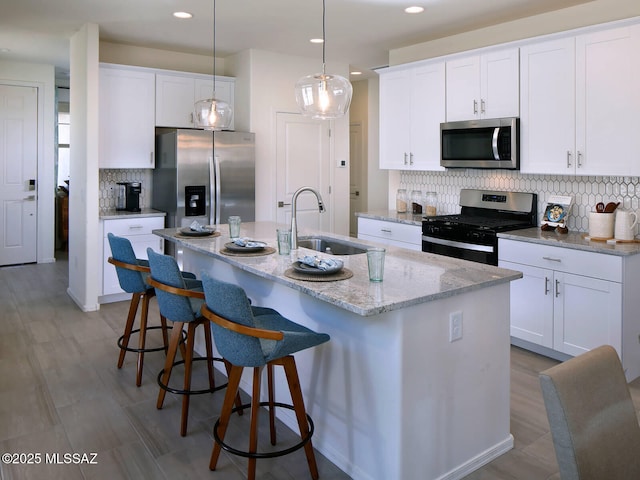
(487, 143)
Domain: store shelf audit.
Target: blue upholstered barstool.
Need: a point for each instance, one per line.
(245, 339)
(180, 300)
(132, 273)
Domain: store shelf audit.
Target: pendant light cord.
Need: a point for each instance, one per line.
(214, 49)
(324, 40)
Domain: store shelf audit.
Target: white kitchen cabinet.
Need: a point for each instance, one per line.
(571, 301)
(483, 86)
(176, 94)
(391, 233)
(411, 110)
(579, 104)
(126, 117)
(138, 231)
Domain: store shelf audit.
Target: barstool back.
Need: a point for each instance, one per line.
(174, 306)
(230, 302)
(131, 280)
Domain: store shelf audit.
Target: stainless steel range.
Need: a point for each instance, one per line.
(472, 234)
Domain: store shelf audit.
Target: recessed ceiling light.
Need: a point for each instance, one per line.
(316, 40)
(414, 10)
(5, 50)
(182, 15)
(356, 72)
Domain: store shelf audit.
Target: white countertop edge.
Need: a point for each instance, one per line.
(392, 216)
(573, 240)
(120, 214)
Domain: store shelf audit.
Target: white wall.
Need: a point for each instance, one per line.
(271, 80)
(41, 77)
(590, 13)
(85, 242)
(154, 58)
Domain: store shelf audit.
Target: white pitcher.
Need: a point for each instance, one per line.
(626, 221)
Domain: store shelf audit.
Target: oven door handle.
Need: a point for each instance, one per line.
(494, 143)
(452, 243)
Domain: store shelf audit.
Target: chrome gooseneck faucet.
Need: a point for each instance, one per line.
(294, 213)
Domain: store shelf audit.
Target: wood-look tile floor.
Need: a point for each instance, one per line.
(61, 393)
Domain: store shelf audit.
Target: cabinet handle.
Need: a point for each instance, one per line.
(557, 288)
(551, 259)
(579, 159)
(475, 107)
(482, 106)
(410, 158)
(405, 158)
(568, 158)
(385, 230)
(135, 227)
(546, 285)
(151, 158)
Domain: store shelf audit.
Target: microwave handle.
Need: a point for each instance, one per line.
(494, 143)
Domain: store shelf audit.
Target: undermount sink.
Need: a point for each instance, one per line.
(331, 245)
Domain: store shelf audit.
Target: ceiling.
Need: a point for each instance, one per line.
(358, 32)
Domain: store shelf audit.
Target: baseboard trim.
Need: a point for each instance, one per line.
(479, 460)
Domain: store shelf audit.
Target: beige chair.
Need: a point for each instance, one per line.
(593, 421)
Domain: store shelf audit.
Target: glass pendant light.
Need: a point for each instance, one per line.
(213, 113)
(323, 95)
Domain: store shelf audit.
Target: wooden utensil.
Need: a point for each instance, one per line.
(610, 207)
(600, 207)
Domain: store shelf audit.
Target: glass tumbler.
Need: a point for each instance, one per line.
(234, 226)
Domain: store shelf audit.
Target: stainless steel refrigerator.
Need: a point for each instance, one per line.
(203, 176)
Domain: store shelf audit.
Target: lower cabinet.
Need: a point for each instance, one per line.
(571, 301)
(138, 231)
(391, 233)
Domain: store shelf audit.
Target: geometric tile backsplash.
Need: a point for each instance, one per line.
(108, 178)
(586, 191)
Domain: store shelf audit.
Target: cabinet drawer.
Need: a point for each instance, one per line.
(400, 232)
(579, 262)
(133, 226)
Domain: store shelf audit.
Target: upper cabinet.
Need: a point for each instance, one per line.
(483, 86)
(126, 117)
(579, 104)
(176, 95)
(412, 106)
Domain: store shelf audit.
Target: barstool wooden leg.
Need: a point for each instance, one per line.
(176, 337)
(253, 430)
(165, 333)
(272, 409)
(291, 371)
(235, 373)
(227, 366)
(133, 309)
(142, 337)
(188, 363)
(209, 348)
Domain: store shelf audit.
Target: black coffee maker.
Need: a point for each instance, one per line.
(129, 196)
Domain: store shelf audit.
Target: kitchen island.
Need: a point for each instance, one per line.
(392, 395)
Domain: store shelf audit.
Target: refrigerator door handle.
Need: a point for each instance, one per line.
(215, 195)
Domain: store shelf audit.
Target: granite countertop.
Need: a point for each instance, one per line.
(574, 240)
(392, 216)
(119, 214)
(410, 278)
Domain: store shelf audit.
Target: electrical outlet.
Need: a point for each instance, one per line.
(455, 326)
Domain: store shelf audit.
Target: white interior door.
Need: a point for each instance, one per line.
(18, 174)
(357, 177)
(302, 159)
